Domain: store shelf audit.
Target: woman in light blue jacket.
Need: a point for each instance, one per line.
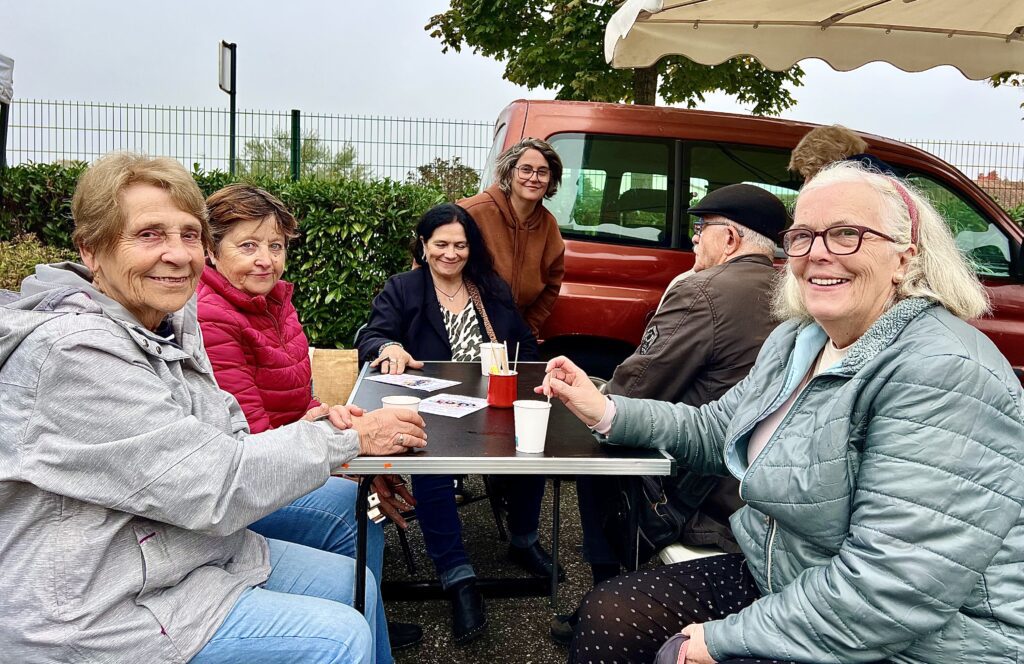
(880, 445)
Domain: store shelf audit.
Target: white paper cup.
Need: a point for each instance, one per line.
(491, 355)
(400, 401)
(531, 425)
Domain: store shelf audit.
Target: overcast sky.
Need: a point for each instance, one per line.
(374, 57)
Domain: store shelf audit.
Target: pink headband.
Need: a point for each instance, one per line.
(911, 208)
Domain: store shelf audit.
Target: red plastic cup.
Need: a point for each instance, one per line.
(502, 389)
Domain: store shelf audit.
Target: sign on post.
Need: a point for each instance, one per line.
(226, 55)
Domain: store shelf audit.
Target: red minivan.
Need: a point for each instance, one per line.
(632, 171)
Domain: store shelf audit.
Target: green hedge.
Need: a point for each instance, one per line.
(20, 255)
(354, 235)
(37, 199)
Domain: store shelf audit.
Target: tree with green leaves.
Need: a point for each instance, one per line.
(271, 157)
(560, 45)
(453, 178)
(1008, 78)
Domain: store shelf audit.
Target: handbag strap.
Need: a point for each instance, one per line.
(478, 304)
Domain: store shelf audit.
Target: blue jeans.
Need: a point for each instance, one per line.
(442, 529)
(302, 613)
(325, 519)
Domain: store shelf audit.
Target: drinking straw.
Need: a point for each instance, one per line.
(506, 356)
(515, 364)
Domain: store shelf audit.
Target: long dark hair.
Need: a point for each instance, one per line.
(480, 266)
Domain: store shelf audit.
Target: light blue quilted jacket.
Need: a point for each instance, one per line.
(884, 516)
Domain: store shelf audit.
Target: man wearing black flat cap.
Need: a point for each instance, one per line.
(703, 340)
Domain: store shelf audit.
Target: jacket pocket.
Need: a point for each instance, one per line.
(158, 568)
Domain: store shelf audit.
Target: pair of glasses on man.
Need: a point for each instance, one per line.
(840, 240)
(700, 225)
(527, 172)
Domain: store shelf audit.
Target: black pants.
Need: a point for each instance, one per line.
(626, 619)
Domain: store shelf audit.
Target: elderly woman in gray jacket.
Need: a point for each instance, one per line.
(127, 478)
(880, 445)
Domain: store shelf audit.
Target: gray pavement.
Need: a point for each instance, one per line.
(518, 628)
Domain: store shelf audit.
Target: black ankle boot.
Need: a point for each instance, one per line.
(468, 616)
(402, 635)
(563, 627)
(535, 560)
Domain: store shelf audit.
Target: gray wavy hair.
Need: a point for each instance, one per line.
(939, 271)
(504, 168)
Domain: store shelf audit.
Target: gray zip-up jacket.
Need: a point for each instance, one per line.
(127, 479)
(883, 516)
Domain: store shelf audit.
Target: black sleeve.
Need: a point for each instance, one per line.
(385, 321)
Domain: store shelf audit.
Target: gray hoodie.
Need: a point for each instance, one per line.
(127, 479)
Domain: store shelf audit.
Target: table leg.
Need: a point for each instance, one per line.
(556, 499)
(359, 601)
(633, 523)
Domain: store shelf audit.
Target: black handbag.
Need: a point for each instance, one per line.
(665, 506)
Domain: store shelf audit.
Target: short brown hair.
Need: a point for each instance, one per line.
(245, 202)
(96, 205)
(509, 158)
(823, 145)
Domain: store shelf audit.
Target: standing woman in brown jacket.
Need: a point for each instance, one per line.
(521, 234)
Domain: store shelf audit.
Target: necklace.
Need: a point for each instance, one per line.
(451, 298)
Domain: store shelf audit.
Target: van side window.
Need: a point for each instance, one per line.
(614, 189)
(487, 174)
(710, 166)
(980, 240)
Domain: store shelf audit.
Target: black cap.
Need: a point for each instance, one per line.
(747, 205)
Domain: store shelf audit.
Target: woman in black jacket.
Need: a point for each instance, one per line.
(444, 311)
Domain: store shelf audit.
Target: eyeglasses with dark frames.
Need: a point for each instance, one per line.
(840, 240)
(527, 172)
(700, 225)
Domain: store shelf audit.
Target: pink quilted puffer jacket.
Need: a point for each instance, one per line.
(258, 350)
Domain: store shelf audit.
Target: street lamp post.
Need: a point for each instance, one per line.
(226, 69)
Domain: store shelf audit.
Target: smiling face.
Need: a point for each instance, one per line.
(447, 251)
(154, 267)
(251, 255)
(532, 190)
(846, 294)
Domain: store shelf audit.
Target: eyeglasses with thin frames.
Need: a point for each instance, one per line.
(840, 240)
(699, 226)
(527, 172)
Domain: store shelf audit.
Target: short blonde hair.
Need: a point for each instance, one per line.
(509, 158)
(823, 145)
(938, 271)
(96, 205)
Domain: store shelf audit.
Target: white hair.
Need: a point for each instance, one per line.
(752, 241)
(938, 271)
(762, 244)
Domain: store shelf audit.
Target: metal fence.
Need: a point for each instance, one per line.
(48, 131)
(52, 131)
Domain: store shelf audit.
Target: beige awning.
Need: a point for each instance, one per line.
(979, 37)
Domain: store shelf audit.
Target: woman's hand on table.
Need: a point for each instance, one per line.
(569, 383)
(339, 416)
(697, 649)
(389, 431)
(395, 497)
(394, 360)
